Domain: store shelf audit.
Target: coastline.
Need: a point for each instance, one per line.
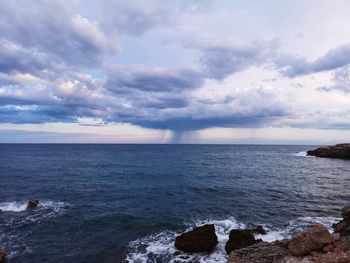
(314, 244)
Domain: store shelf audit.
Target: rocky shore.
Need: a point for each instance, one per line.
(314, 244)
(338, 151)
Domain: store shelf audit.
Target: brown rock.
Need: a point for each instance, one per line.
(342, 227)
(331, 257)
(312, 238)
(343, 245)
(345, 212)
(261, 252)
(200, 239)
(336, 237)
(2, 254)
(328, 248)
(292, 259)
(239, 239)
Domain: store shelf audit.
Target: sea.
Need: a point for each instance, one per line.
(127, 202)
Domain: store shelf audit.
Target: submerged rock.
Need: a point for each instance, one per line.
(200, 239)
(312, 238)
(2, 254)
(239, 239)
(339, 151)
(32, 204)
(261, 252)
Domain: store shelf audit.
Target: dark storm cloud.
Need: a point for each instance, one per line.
(197, 123)
(297, 66)
(37, 114)
(149, 79)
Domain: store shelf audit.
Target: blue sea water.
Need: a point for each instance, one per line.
(126, 203)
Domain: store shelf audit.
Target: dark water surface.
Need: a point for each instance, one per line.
(126, 203)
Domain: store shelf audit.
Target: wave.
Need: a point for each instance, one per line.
(160, 247)
(13, 206)
(22, 206)
(15, 214)
(14, 217)
(302, 154)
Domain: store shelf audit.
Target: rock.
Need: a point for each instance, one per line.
(343, 245)
(239, 239)
(200, 239)
(261, 252)
(2, 254)
(343, 226)
(328, 248)
(345, 212)
(312, 238)
(336, 237)
(292, 259)
(330, 257)
(340, 151)
(32, 204)
(259, 230)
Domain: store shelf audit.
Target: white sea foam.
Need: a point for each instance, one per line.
(13, 206)
(302, 154)
(160, 247)
(21, 206)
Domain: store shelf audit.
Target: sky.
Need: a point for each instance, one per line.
(180, 71)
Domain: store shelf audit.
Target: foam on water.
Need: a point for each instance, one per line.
(295, 226)
(21, 206)
(160, 247)
(13, 206)
(302, 154)
(14, 216)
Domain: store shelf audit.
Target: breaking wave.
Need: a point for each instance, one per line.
(160, 247)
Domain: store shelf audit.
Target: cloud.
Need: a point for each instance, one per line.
(54, 30)
(242, 109)
(153, 79)
(220, 60)
(140, 16)
(292, 66)
(59, 62)
(341, 81)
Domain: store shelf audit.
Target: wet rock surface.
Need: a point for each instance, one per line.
(239, 239)
(32, 204)
(200, 239)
